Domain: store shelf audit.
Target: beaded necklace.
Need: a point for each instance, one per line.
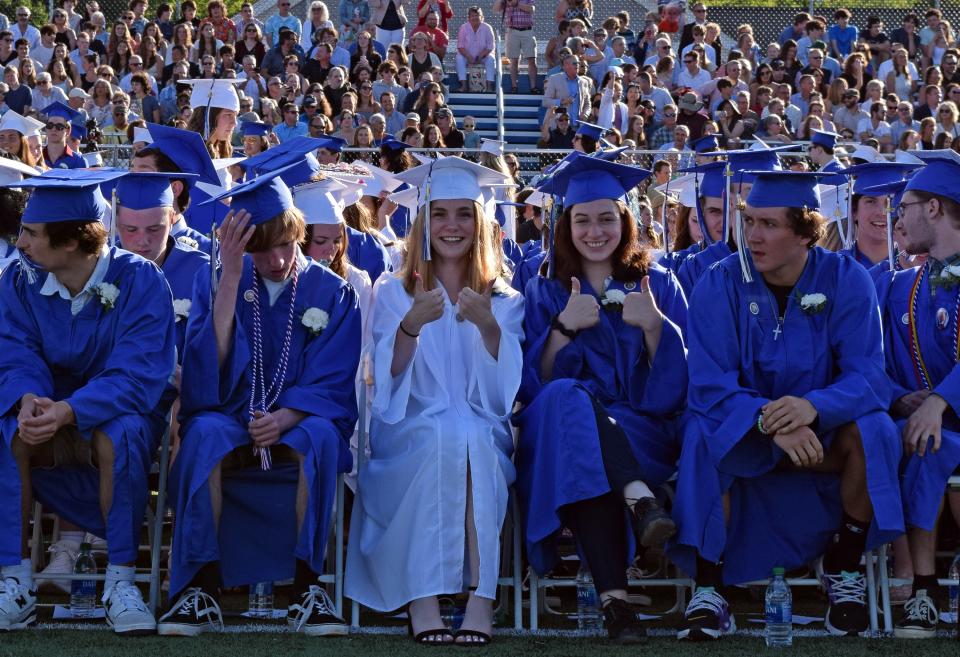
(919, 365)
(268, 396)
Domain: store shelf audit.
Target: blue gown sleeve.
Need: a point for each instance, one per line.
(143, 356)
(716, 391)
(22, 367)
(884, 286)
(853, 322)
(326, 386)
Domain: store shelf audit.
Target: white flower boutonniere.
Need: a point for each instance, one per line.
(315, 320)
(186, 240)
(613, 300)
(813, 304)
(181, 309)
(107, 293)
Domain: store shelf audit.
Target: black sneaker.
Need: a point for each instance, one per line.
(623, 626)
(652, 526)
(707, 617)
(194, 612)
(847, 613)
(920, 618)
(316, 615)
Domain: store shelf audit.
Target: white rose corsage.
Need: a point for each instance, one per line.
(613, 300)
(813, 304)
(107, 293)
(181, 308)
(315, 320)
(949, 277)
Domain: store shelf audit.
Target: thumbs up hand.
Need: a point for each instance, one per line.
(582, 310)
(427, 307)
(477, 308)
(640, 308)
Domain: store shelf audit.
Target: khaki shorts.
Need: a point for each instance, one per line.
(521, 44)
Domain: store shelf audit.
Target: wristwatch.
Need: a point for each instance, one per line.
(557, 325)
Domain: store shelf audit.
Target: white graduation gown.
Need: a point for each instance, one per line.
(451, 405)
(360, 281)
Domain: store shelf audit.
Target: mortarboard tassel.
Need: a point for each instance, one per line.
(848, 238)
(891, 252)
(214, 258)
(552, 228)
(426, 216)
(27, 268)
(112, 240)
(742, 249)
(699, 208)
(663, 218)
(727, 229)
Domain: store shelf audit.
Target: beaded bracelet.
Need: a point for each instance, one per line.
(760, 424)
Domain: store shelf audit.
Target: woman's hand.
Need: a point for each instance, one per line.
(582, 310)
(640, 308)
(427, 307)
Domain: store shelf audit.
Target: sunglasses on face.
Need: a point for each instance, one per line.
(56, 126)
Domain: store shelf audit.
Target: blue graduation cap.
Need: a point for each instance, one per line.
(785, 189)
(710, 181)
(873, 174)
(743, 162)
(393, 144)
(333, 144)
(254, 128)
(940, 176)
(582, 179)
(57, 108)
(264, 197)
(824, 138)
(499, 214)
(186, 150)
(67, 196)
(585, 129)
(611, 154)
(78, 131)
(145, 190)
(283, 155)
(705, 145)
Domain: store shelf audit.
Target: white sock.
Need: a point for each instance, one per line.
(636, 490)
(73, 537)
(117, 574)
(23, 572)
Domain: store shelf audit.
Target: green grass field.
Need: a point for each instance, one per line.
(64, 643)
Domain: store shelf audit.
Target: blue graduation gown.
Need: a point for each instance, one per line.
(674, 259)
(923, 479)
(400, 219)
(779, 516)
(187, 236)
(558, 456)
(512, 252)
(214, 409)
(859, 256)
(367, 253)
(180, 269)
(692, 268)
(111, 366)
(201, 216)
(528, 268)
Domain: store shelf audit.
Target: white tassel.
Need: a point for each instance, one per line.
(848, 239)
(742, 249)
(891, 253)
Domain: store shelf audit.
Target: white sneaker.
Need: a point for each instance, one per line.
(98, 546)
(18, 605)
(126, 612)
(63, 557)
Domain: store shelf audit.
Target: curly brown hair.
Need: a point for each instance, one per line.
(90, 236)
(808, 224)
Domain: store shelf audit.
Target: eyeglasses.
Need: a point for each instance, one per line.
(56, 126)
(901, 209)
(366, 87)
(317, 126)
(252, 30)
(669, 116)
(944, 111)
(689, 61)
(139, 64)
(290, 111)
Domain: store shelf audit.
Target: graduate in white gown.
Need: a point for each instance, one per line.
(447, 363)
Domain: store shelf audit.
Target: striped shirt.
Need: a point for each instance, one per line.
(517, 18)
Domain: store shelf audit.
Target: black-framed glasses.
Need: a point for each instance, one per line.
(55, 126)
(901, 209)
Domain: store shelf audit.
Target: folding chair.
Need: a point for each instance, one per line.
(153, 520)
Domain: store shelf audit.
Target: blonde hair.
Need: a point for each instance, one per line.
(485, 258)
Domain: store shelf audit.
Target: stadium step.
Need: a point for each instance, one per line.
(521, 115)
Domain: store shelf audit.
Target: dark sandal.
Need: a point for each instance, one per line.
(477, 639)
(429, 637)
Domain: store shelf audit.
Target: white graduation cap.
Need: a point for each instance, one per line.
(423, 158)
(25, 125)
(834, 202)
(142, 135)
(220, 92)
(222, 167)
(14, 171)
(866, 153)
(492, 146)
(407, 198)
(906, 157)
(683, 188)
(93, 160)
(452, 178)
(538, 199)
(323, 201)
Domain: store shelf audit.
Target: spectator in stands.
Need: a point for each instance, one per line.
(814, 32)
(241, 21)
(796, 30)
(814, 68)
(848, 116)
(664, 134)
(430, 101)
(441, 7)
(291, 127)
(552, 53)
(421, 58)
(452, 137)
(901, 79)
(875, 127)
(223, 28)
(569, 90)
(282, 19)
(520, 42)
(692, 76)
(907, 36)
(353, 15)
(947, 126)
(691, 114)
(439, 40)
(22, 29)
(274, 61)
(251, 44)
(792, 113)
(364, 54)
(319, 19)
(878, 42)
(841, 35)
(905, 122)
(941, 41)
(570, 9)
(393, 119)
(390, 20)
(556, 131)
(699, 10)
(930, 100)
(475, 45)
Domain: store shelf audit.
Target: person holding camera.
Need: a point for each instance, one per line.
(518, 18)
(561, 135)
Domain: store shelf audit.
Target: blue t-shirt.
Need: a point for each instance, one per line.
(19, 99)
(845, 38)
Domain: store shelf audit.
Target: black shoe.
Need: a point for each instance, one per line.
(623, 626)
(652, 526)
(471, 638)
(707, 617)
(316, 615)
(194, 612)
(440, 636)
(920, 618)
(847, 613)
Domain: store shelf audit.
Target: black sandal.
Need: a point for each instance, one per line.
(477, 639)
(429, 637)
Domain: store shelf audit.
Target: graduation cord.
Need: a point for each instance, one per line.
(919, 365)
(269, 396)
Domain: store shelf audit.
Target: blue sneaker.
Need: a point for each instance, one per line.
(707, 617)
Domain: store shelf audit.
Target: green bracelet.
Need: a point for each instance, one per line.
(760, 424)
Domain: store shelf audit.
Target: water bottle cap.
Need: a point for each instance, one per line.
(778, 571)
(85, 547)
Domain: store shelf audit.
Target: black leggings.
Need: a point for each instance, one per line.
(599, 523)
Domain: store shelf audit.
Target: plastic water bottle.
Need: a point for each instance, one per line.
(452, 613)
(588, 608)
(779, 612)
(260, 604)
(83, 592)
(954, 577)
